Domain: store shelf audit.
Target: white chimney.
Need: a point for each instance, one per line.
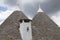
(25, 29)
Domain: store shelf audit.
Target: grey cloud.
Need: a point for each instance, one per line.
(30, 10)
(11, 2)
(49, 6)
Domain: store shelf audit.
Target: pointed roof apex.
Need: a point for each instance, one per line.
(40, 10)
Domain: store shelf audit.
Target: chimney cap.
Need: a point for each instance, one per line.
(25, 20)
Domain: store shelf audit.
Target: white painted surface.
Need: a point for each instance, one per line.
(40, 10)
(26, 35)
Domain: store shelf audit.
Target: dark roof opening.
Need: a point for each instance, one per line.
(25, 20)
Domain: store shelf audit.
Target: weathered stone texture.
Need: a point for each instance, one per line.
(10, 27)
(43, 28)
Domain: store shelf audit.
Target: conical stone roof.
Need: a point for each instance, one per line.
(10, 27)
(43, 28)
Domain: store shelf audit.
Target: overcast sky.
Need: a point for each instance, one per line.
(30, 7)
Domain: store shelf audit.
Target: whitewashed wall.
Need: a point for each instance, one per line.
(26, 35)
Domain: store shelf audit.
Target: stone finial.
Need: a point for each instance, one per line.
(40, 10)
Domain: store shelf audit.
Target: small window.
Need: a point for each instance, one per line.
(27, 29)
